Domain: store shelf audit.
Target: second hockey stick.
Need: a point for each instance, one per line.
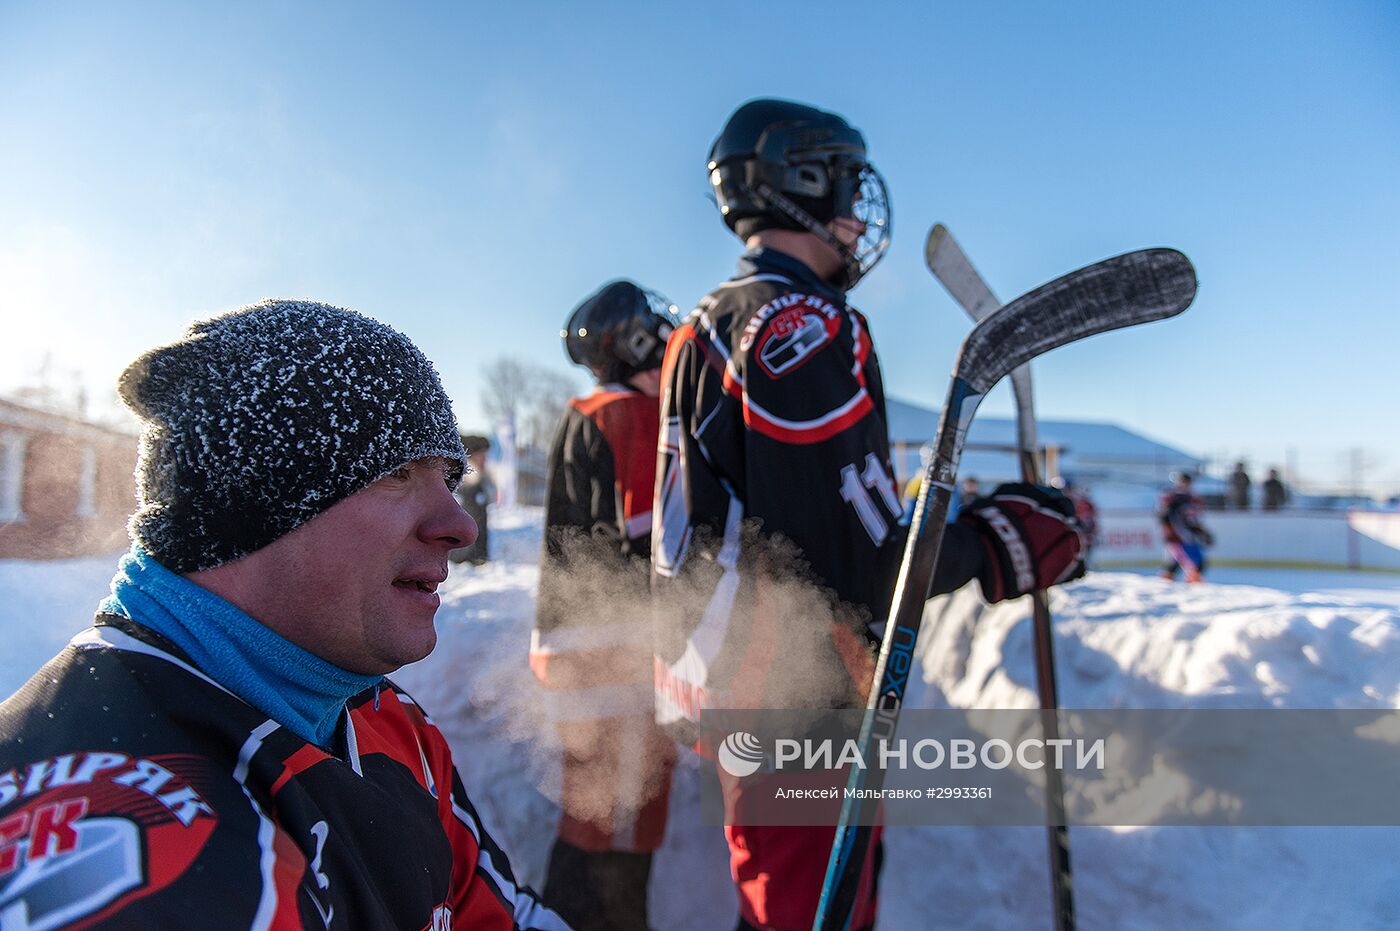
(952, 268)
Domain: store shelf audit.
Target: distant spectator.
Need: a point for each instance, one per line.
(1238, 496)
(1275, 492)
(968, 490)
(915, 485)
(911, 498)
(1182, 533)
(1084, 510)
(476, 493)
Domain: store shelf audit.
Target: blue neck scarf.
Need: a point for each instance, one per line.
(297, 689)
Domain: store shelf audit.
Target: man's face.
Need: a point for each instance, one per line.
(825, 260)
(847, 230)
(356, 585)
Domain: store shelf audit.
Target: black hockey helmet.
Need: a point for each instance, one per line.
(619, 330)
(782, 164)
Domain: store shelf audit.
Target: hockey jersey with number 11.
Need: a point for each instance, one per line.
(777, 535)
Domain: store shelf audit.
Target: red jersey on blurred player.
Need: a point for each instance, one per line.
(592, 641)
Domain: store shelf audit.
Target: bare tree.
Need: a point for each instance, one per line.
(526, 394)
(1360, 462)
(549, 392)
(505, 381)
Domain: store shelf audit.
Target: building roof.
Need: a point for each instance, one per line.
(17, 413)
(1102, 442)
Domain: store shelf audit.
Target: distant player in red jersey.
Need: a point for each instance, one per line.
(1179, 513)
(1084, 509)
(222, 750)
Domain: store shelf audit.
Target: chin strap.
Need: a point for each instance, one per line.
(808, 222)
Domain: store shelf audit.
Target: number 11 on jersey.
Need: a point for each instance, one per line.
(856, 488)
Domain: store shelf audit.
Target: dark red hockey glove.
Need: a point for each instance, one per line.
(1032, 538)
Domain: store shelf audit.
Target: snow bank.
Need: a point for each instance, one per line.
(1130, 641)
(1125, 640)
(1248, 639)
(1314, 640)
(43, 603)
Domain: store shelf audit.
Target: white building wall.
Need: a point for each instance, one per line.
(12, 444)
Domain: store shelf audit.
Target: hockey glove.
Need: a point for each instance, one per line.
(1031, 536)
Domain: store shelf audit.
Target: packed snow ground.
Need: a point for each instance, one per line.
(1246, 639)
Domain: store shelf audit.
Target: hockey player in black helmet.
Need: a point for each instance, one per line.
(619, 331)
(784, 165)
(774, 437)
(591, 646)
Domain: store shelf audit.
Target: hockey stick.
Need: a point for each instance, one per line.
(1139, 287)
(950, 266)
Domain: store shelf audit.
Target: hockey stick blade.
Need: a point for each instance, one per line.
(950, 265)
(1139, 287)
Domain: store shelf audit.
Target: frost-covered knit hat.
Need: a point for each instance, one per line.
(259, 419)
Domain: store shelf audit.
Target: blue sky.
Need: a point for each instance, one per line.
(468, 172)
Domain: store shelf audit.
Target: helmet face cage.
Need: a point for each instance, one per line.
(859, 192)
(870, 204)
(642, 343)
(662, 307)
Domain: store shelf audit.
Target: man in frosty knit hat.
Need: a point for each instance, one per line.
(222, 742)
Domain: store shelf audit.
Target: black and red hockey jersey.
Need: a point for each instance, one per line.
(602, 470)
(136, 792)
(597, 536)
(591, 647)
(1179, 513)
(778, 530)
